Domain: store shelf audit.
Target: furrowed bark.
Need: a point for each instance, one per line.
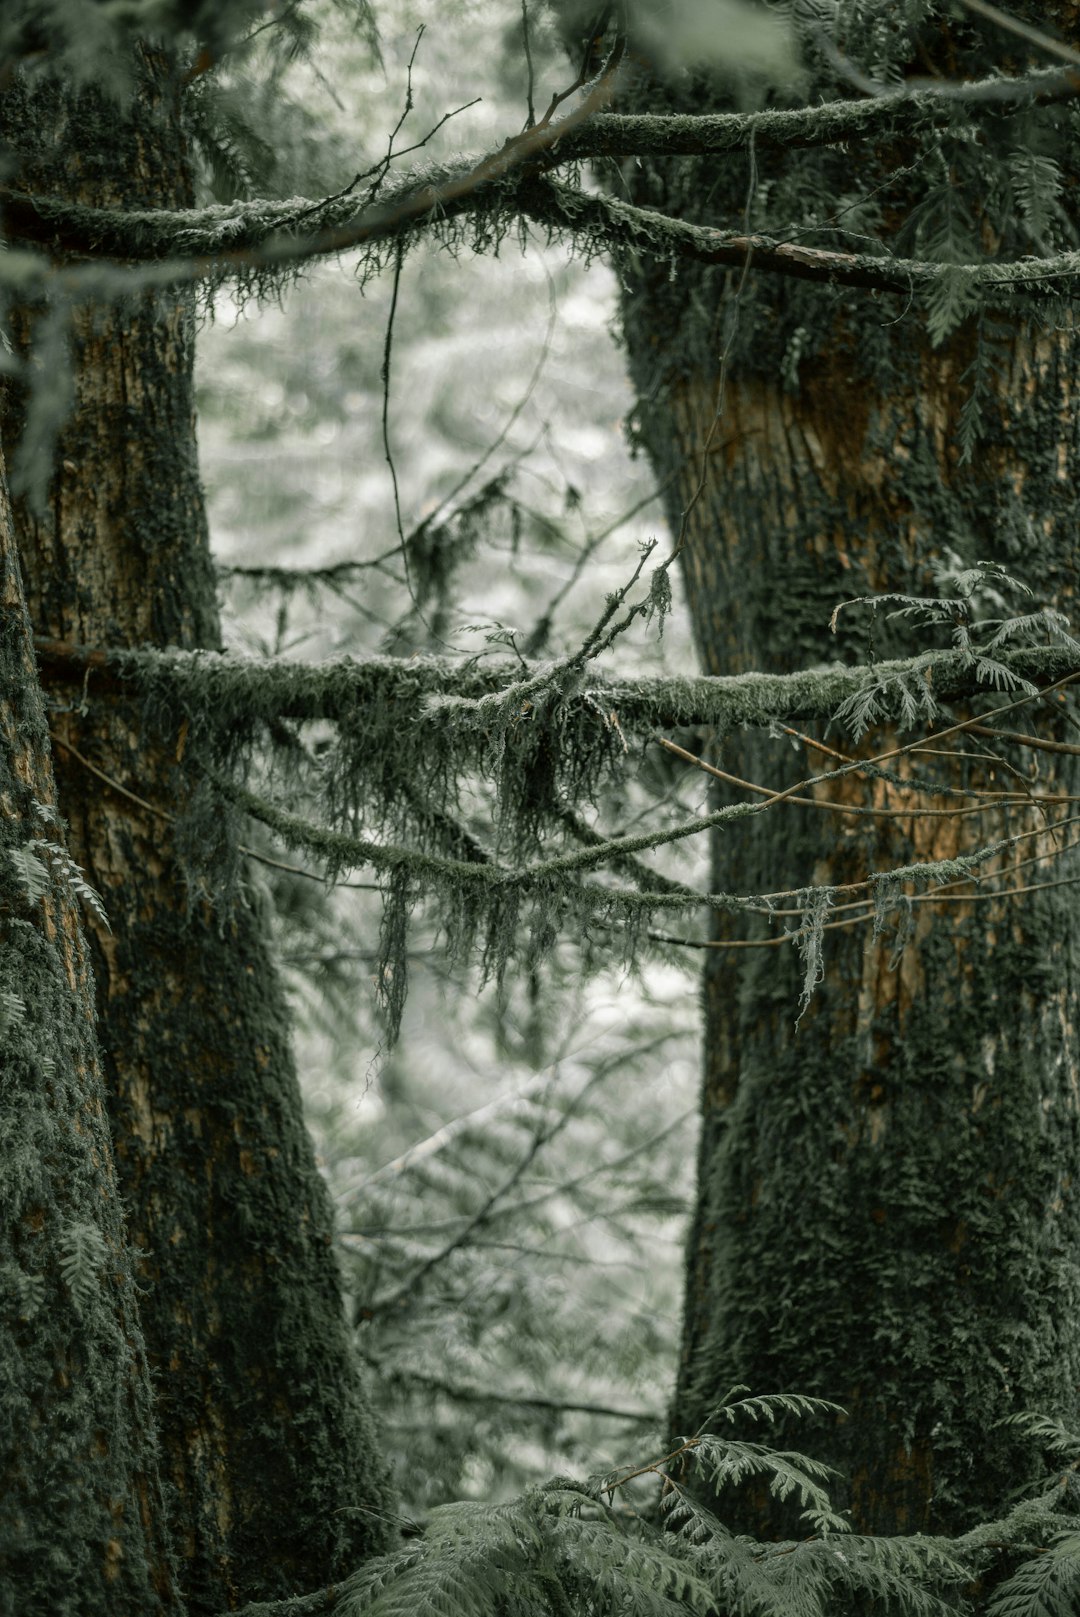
(275, 1481)
(887, 1206)
(82, 1519)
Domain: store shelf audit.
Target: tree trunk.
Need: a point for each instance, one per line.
(82, 1521)
(887, 1206)
(275, 1480)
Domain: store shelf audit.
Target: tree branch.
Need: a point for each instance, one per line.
(432, 690)
(610, 223)
(829, 124)
(478, 1395)
(585, 134)
(164, 249)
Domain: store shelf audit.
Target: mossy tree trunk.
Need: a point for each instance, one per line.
(275, 1481)
(82, 1519)
(888, 1210)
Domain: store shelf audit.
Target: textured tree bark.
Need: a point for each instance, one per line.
(275, 1481)
(887, 1205)
(82, 1515)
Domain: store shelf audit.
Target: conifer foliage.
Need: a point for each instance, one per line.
(568, 1547)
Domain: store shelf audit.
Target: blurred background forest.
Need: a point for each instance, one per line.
(512, 1178)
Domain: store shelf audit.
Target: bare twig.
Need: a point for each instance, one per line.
(541, 629)
(164, 814)
(1023, 30)
(858, 920)
(999, 799)
(502, 1106)
(1037, 743)
(530, 117)
(542, 1136)
(480, 1395)
(399, 256)
(654, 1468)
(289, 578)
(500, 438)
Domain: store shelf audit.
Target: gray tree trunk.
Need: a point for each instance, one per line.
(82, 1518)
(275, 1479)
(888, 1210)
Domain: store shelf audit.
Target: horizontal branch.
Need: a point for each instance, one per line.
(602, 223)
(225, 239)
(611, 223)
(481, 1395)
(433, 690)
(585, 134)
(489, 882)
(830, 123)
(132, 251)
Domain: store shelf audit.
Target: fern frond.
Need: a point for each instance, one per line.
(1036, 186)
(62, 863)
(953, 295)
(530, 1558)
(1045, 627)
(1048, 1431)
(907, 697)
(771, 1581)
(83, 1257)
(620, 1574)
(12, 1010)
(770, 1406)
(1048, 1586)
(901, 1575)
(990, 580)
(24, 1292)
(988, 671)
(687, 1517)
(33, 875)
(374, 1578)
(788, 1475)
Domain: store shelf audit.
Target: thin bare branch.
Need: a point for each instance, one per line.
(998, 801)
(1037, 743)
(1023, 30)
(481, 1395)
(857, 920)
(164, 814)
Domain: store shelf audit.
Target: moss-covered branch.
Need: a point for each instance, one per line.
(258, 242)
(233, 228)
(420, 732)
(431, 692)
(607, 223)
(341, 851)
(830, 123)
(556, 878)
(262, 239)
